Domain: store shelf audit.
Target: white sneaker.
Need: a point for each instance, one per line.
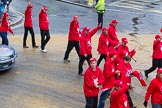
(44, 51)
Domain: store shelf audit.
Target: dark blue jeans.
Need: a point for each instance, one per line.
(4, 38)
(103, 97)
(156, 105)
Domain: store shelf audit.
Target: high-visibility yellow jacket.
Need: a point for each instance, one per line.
(100, 6)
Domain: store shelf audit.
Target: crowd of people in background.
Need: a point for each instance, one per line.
(114, 81)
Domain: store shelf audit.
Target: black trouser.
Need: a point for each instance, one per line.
(70, 46)
(100, 19)
(30, 29)
(129, 99)
(81, 61)
(45, 37)
(91, 102)
(102, 56)
(155, 63)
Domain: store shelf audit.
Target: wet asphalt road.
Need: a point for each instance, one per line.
(134, 16)
(43, 80)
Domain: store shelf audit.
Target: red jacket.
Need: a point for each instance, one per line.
(74, 31)
(103, 44)
(122, 51)
(109, 74)
(43, 21)
(85, 42)
(125, 72)
(112, 32)
(155, 91)
(28, 17)
(5, 24)
(118, 99)
(88, 86)
(157, 49)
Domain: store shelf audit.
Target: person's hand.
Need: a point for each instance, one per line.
(96, 83)
(145, 104)
(85, 55)
(100, 24)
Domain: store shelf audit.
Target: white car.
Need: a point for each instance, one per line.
(7, 57)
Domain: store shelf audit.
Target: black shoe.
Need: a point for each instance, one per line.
(146, 74)
(133, 107)
(35, 46)
(25, 47)
(81, 74)
(67, 61)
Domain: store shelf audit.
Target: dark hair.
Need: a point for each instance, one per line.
(127, 58)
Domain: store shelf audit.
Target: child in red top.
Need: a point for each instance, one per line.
(93, 80)
(4, 28)
(118, 97)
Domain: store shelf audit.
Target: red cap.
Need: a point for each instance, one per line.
(114, 21)
(159, 70)
(45, 8)
(75, 17)
(29, 6)
(112, 53)
(86, 29)
(157, 36)
(92, 59)
(103, 29)
(125, 40)
(118, 83)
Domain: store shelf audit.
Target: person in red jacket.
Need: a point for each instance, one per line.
(125, 69)
(103, 45)
(73, 39)
(4, 28)
(109, 73)
(118, 98)
(155, 91)
(112, 32)
(93, 80)
(156, 55)
(44, 28)
(85, 47)
(28, 26)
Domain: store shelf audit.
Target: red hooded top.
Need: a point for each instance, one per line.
(28, 17)
(122, 51)
(89, 89)
(74, 31)
(43, 21)
(155, 91)
(85, 42)
(125, 72)
(112, 32)
(109, 74)
(119, 99)
(103, 44)
(157, 49)
(5, 24)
